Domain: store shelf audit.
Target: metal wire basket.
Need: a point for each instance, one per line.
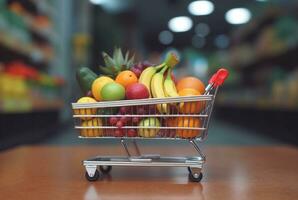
(181, 118)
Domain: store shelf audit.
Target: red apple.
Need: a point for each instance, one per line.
(136, 91)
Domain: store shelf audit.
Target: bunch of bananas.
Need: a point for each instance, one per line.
(158, 86)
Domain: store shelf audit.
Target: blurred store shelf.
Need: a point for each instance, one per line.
(252, 30)
(46, 33)
(20, 50)
(261, 105)
(286, 58)
(30, 91)
(28, 106)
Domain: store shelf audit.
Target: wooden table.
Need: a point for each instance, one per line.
(43, 172)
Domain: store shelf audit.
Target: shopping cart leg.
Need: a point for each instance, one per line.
(195, 173)
(195, 145)
(136, 147)
(125, 147)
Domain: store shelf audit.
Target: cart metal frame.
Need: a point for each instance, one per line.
(193, 163)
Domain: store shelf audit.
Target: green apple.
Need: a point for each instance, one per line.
(149, 122)
(112, 92)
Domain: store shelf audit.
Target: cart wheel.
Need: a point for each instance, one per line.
(92, 178)
(195, 177)
(105, 169)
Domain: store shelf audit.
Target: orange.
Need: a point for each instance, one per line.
(190, 107)
(191, 82)
(126, 78)
(88, 111)
(188, 122)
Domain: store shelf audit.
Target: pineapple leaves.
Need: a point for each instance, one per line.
(118, 58)
(105, 70)
(108, 60)
(126, 57)
(130, 62)
(117, 63)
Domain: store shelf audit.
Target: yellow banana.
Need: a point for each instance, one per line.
(157, 89)
(169, 86)
(147, 75)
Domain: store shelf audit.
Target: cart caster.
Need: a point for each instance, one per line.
(95, 176)
(194, 174)
(105, 169)
(92, 173)
(195, 177)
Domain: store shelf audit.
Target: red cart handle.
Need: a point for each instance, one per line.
(219, 77)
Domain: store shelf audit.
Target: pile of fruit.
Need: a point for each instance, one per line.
(122, 79)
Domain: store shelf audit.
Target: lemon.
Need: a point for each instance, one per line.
(87, 111)
(92, 132)
(98, 84)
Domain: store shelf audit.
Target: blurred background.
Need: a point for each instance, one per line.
(42, 42)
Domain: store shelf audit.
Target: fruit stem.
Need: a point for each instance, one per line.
(158, 67)
(171, 59)
(164, 69)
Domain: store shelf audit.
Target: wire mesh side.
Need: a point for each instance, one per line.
(160, 119)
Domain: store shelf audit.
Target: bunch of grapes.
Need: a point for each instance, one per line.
(138, 68)
(124, 120)
(119, 122)
(168, 133)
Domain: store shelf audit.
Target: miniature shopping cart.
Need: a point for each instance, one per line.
(185, 118)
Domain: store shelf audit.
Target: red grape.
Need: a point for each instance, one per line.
(119, 124)
(141, 111)
(152, 109)
(136, 71)
(139, 66)
(124, 120)
(118, 133)
(132, 133)
(135, 120)
(113, 121)
(123, 110)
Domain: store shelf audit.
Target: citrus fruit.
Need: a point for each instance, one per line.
(188, 122)
(191, 82)
(89, 111)
(112, 92)
(98, 84)
(149, 122)
(190, 107)
(89, 131)
(126, 78)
